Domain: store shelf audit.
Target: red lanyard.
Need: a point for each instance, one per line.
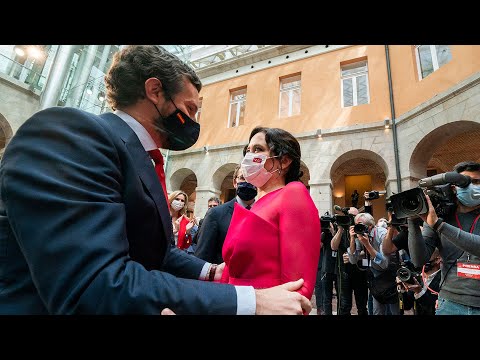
(473, 225)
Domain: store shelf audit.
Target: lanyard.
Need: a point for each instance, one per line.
(473, 224)
(471, 228)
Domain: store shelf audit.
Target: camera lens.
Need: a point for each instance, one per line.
(404, 274)
(411, 203)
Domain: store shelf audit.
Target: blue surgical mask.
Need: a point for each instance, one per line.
(246, 191)
(469, 196)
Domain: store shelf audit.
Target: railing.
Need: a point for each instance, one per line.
(22, 73)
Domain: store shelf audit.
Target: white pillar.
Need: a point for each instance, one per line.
(201, 201)
(57, 75)
(321, 193)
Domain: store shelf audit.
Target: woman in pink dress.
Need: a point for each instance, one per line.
(278, 240)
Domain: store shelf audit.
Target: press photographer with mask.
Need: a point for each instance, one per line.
(458, 239)
(211, 235)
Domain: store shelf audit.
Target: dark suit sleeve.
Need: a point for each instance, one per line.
(178, 262)
(62, 186)
(207, 237)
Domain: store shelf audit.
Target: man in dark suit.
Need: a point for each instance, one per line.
(213, 231)
(84, 222)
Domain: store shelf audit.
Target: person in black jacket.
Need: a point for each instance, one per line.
(213, 231)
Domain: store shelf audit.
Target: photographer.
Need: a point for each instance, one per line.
(458, 239)
(380, 276)
(328, 270)
(349, 277)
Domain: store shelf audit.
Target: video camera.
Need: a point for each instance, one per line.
(338, 220)
(438, 187)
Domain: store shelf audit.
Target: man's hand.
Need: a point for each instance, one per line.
(363, 239)
(352, 232)
(219, 271)
(282, 300)
(367, 202)
(431, 216)
(167, 311)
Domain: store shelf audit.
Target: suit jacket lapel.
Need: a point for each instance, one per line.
(145, 169)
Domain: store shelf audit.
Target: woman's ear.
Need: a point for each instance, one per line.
(285, 161)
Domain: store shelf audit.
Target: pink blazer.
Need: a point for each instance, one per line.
(278, 240)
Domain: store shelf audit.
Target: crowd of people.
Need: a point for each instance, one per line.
(87, 225)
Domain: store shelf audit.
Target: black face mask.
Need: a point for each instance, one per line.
(246, 191)
(180, 130)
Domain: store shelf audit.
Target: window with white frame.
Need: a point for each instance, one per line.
(290, 96)
(430, 58)
(199, 111)
(236, 114)
(355, 84)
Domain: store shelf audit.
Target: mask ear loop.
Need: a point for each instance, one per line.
(273, 164)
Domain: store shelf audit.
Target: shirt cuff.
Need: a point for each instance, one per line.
(378, 258)
(420, 294)
(246, 301)
(204, 272)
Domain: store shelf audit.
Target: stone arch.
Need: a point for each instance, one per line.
(305, 179)
(6, 134)
(445, 146)
(364, 166)
(183, 179)
(358, 154)
(222, 179)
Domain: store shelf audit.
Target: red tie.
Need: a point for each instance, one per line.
(158, 159)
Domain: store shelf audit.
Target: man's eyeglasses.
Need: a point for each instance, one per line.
(212, 205)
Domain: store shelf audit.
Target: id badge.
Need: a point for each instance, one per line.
(334, 253)
(468, 270)
(365, 262)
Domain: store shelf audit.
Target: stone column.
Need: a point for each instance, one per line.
(321, 192)
(75, 97)
(201, 201)
(57, 75)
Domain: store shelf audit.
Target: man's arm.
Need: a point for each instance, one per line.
(335, 243)
(388, 246)
(420, 244)
(75, 238)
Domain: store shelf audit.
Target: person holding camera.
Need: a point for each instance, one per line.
(458, 239)
(365, 246)
(327, 272)
(350, 278)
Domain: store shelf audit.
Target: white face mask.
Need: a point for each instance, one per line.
(253, 169)
(177, 205)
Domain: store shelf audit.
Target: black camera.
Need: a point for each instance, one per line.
(409, 203)
(337, 220)
(360, 229)
(413, 202)
(407, 273)
(325, 220)
(374, 194)
(345, 220)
